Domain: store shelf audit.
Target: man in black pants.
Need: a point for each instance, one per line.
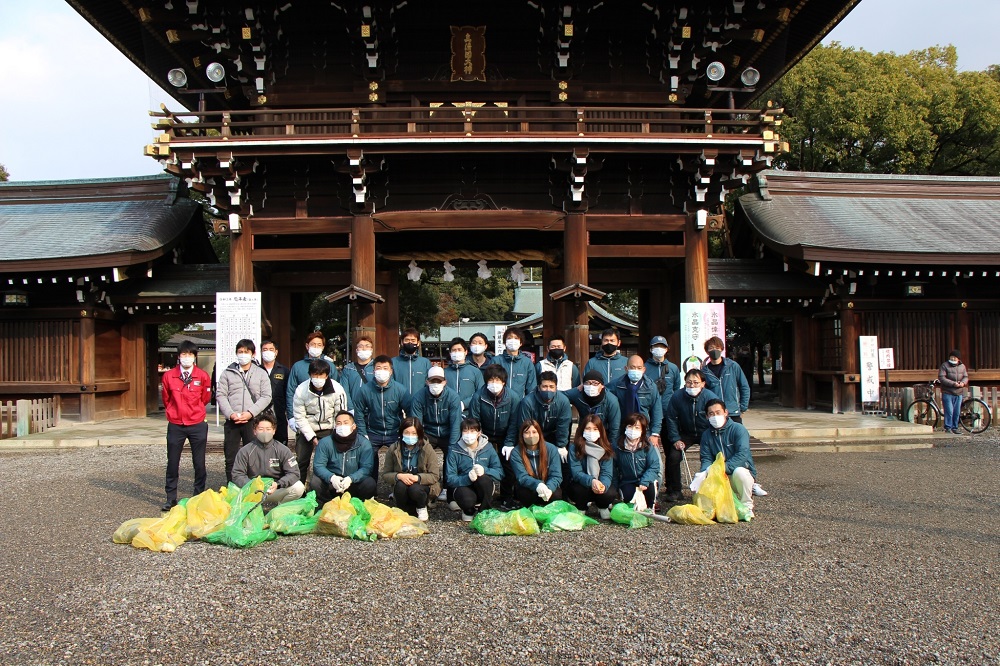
(186, 390)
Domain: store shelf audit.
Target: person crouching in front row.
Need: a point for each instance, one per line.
(343, 462)
(411, 469)
(730, 438)
(637, 465)
(537, 467)
(473, 470)
(268, 458)
(591, 464)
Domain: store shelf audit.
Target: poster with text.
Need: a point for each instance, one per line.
(237, 316)
(498, 332)
(699, 322)
(869, 367)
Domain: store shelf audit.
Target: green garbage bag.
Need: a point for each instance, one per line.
(304, 506)
(357, 528)
(543, 513)
(568, 522)
(294, 523)
(359, 508)
(244, 528)
(745, 514)
(624, 513)
(497, 523)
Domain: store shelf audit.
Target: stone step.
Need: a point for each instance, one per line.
(838, 432)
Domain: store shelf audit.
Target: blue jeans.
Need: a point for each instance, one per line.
(952, 405)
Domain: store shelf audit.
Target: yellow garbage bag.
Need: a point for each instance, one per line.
(206, 512)
(165, 534)
(715, 496)
(127, 531)
(688, 514)
(388, 522)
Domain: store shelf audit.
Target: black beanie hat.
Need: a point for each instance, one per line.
(957, 354)
(593, 376)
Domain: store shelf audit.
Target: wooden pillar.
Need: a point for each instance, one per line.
(548, 309)
(152, 375)
(281, 334)
(849, 356)
(363, 275)
(695, 262)
(240, 262)
(963, 339)
(88, 367)
(799, 357)
(387, 316)
(134, 368)
(575, 272)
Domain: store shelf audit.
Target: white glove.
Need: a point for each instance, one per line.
(698, 479)
(639, 500)
(505, 452)
(335, 482)
(479, 470)
(563, 453)
(542, 489)
(345, 484)
(473, 474)
(291, 425)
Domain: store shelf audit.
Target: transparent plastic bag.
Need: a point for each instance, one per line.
(568, 522)
(387, 521)
(206, 512)
(497, 523)
(688, 514)
(127, 530)
(624, 513)
(715, 496)
(165, 534)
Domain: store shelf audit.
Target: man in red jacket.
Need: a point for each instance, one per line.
(186, 390)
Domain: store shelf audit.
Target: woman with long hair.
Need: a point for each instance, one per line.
(411, 469)
(536, 465)
(637, 464)
(591, 464)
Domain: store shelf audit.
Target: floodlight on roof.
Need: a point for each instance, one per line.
(715, 71)
(215, 72)
(177, 77)
(750, 77)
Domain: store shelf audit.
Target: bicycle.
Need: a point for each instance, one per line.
(974, 415)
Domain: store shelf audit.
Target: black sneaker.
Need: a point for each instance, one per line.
(675, 497)
(168, 505)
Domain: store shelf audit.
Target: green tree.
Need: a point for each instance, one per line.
(431, 302)
(4, 174)
(848, 110)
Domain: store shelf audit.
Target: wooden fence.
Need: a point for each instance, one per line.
(27, 417)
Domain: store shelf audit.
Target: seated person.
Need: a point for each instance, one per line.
(536, 465)
(343, 461)
(411, 469)
(685, 421)
(494, 406)
(268, 458)
(731, 439)
(636, 463)
(473, 470)
(591, 464)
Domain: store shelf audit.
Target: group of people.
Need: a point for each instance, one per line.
(503, 423)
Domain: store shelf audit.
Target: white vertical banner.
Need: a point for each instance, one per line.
(498, 332)
(699, 322)
(869, 367)
(237, 316)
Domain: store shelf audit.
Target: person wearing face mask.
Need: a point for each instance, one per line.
(439, 410)
(315, 344)
(637, 395)
(551, 409)
(591, 464)
(724, 377)
(381, 405)
(730, 438)
(479, 351)
(594, 399)
(566, 372)
(636, 464)
(521, 379)
(463, 378)
(493, 406)
(186, 391)
(279, 388)
(609, 361)
(953, 378)
(665, 375)
(268, 458)
(315, 404)
(411, 469)
(410, 368)
(536, 463)
(243, 391)
(685, 421)
(361, 370)
(473, 469)
(343, 463)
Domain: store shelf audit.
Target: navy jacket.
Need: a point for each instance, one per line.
(684, 416)
(649, 403)
(732, 388)
(608, 409)
(670, 373)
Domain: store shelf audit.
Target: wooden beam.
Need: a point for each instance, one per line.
(474, 220)
(106, 386)
(696, 262)
(302, 254)
(241, 258)
(88, 368)
(575, 272)
(363, 277)
(636, 222)
(277, 226)
(635, 251)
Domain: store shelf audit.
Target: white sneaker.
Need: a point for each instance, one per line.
(422, 514)
(443, 497)
(466, 518)
(758, 491)
(453, 505)
(605, 514)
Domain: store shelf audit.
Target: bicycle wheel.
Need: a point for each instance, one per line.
(923, 412)
(975, 415)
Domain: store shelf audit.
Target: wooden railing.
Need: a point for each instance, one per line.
(27, 417)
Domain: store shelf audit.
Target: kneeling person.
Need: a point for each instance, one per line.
(411, 469)
(731, 439)
(536, 465)
(591, 464)
(268, 458)
(473, 470)
(343, 461)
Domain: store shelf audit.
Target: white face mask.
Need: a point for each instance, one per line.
(187, 362)
(658, 353)
(477, 349)
(591, 435)
(633, 433)
(382, 376)
(268, 356)
(717, 420)
(318, 382)
(458, 357)
(364, 354)
(315, 352)
(495, 387)
(512, 345)
(436, 389)
(634, 374)
(244, 359)
(344, 430)
(591, 390)
(692, 390)
(470, 437)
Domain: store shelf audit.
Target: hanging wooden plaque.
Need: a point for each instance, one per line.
(468, 53)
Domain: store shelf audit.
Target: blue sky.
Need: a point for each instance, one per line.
(57, 121)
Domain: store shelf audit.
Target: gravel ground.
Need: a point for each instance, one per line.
(853, 558)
